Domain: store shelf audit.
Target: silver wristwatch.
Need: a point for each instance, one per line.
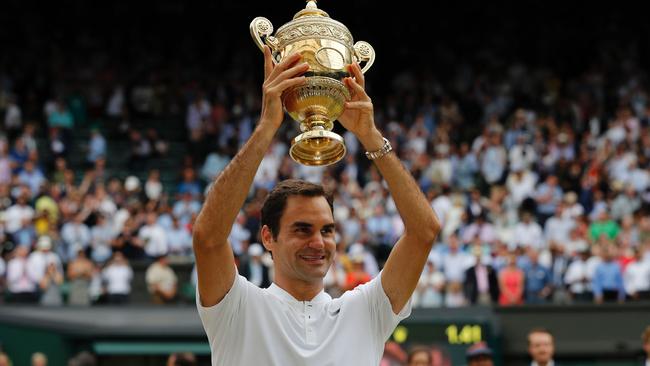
(373, 155)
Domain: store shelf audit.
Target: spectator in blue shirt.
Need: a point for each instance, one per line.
(607, 283)
(538, 279)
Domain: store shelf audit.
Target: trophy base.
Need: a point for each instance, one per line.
(317, 148)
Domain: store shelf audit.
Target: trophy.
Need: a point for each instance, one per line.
(327, 46)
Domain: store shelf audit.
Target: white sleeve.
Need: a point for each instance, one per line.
(219, 319)
(381, 311)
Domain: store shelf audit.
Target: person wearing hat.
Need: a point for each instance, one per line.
(294, 322)
(479, 354)
(253, 268)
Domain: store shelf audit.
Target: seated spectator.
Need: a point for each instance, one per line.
(189, 184)
(75, 233)
(578, 276)
(603, 226)
(117, 275)
(162, 282)
(153, 237)
(101, 236)
(40, 259)
(153, 187)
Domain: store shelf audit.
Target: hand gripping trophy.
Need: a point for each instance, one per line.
(327, 46)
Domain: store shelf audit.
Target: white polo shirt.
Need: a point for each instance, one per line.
(254, 326)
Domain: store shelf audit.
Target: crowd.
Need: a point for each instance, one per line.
(541, 180)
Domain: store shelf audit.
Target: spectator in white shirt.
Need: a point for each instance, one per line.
(636, 277)
(41, 258)
(528, 233)
(455, 262)
(153, 237)
(117, 276)
(578, 279)
(21, 286)
(16, 214)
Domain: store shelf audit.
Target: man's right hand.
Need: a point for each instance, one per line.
(277, 79)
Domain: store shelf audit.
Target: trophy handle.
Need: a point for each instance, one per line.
(364, 52)
(261, 29)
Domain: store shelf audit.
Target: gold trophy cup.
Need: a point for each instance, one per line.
(327, 46)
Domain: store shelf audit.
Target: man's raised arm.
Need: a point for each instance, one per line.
(406, 261)
(214, 258)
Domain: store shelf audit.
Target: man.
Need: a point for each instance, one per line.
(294, 322)
(481, 284)
(541, 347)
(479, 354)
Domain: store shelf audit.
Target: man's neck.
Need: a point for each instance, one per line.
(300, 290)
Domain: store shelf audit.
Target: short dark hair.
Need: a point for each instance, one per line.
(539, 330)
(276, 201)
(645, 336)
(418, 349)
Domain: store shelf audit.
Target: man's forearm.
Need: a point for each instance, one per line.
(229, 191)
(416, 213)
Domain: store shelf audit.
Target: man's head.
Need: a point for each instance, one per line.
(479, 354)
(541, 345)
(298, 228)
(419, 356)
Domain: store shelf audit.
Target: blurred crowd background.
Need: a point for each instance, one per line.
(528, 129)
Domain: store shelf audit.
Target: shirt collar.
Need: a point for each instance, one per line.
(280, 293)
(550, 363)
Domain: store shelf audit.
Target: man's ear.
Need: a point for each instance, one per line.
(267, 238)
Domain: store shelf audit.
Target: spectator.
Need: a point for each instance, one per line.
(162, 282)
(153, 187)
(179, 239)
(96, 146)
(357, 275)
(182, 359)
(479, 354)
(21, 285)
(607, 282)
(75, 234)
(578, 277)
(431, 287)
(636, 277)
(153, 237)
(18, 214)
(32, 177)
(101, 236)
(548, 195)
(189, 183)
(40, 259)
(541, 347)
(511, 283)
(538, 280)
(603, 226)
(528, 233)
(50, 286)
(80, 273)
(39, 359)
(4, 359)
(419, 356)
(481, 285)
(253, 268)
(118, 276)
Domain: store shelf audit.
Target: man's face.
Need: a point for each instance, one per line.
(540, 347)
(304, 247)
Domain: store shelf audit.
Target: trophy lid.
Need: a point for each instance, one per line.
(311, 10)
